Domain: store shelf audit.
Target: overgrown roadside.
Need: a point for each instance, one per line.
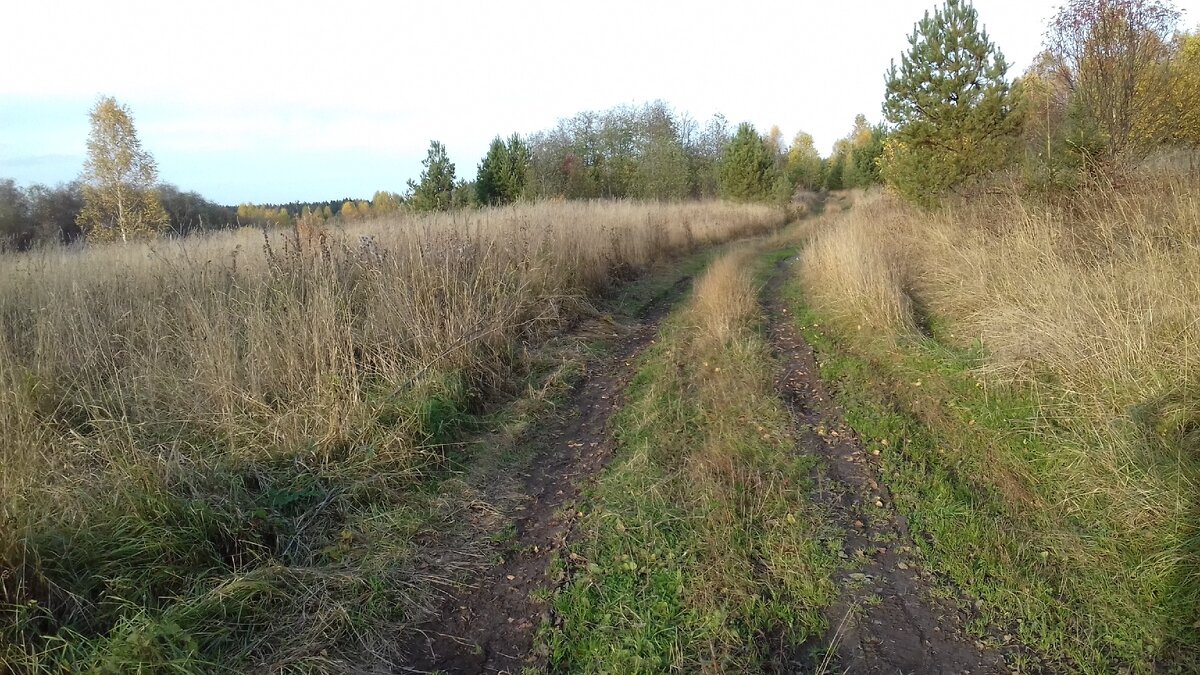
(237, 452)
(1031, 409)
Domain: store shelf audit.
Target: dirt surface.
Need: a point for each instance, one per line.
(489, 625)
(886, 619)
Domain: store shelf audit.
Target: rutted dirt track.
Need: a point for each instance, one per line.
(885, 619)
(489, 626)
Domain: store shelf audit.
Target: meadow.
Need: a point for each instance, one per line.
(224, 451)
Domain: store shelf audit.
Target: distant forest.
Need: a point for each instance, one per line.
(648, 151)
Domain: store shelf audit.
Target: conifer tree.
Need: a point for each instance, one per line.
(504, 171)
(747, 169)
(435, 191)
(490, 179)
(862, 166)
(516, 175)
(950, 104)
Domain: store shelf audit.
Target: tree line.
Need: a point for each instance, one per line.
(1116, 83)
(647, 152)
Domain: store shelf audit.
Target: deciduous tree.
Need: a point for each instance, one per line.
(53, 211)
(16, 229)
(118, 179)
(385, 203)
(804, 163)
(1184, 91)
(1113, 55)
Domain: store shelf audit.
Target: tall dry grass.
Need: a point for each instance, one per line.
(1092, 304)
(721, 305)
(207, 441)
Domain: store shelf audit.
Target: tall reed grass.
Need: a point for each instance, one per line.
(208, 445)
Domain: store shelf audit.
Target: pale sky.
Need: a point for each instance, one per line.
(280, 101)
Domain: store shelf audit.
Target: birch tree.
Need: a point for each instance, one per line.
(118, 179)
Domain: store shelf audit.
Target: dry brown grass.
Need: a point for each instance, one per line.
(725, 302)
(1093, 305)
(855, 267)
(1096, 304)
(183, 416)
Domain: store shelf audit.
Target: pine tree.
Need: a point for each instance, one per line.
(435, 191)
(118, 179)
(747, 170)
(515, 177)
(489, 181)
(950, 104)
(503, 173)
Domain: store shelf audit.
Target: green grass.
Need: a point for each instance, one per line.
(698, 548)
(193, 576)
(964, 462)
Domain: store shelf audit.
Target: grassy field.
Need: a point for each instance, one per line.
(699, 551)
(1029, 373)
(224, 452)
(249, 451)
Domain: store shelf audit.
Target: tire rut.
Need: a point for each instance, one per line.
(489, 625)
(886, 618)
